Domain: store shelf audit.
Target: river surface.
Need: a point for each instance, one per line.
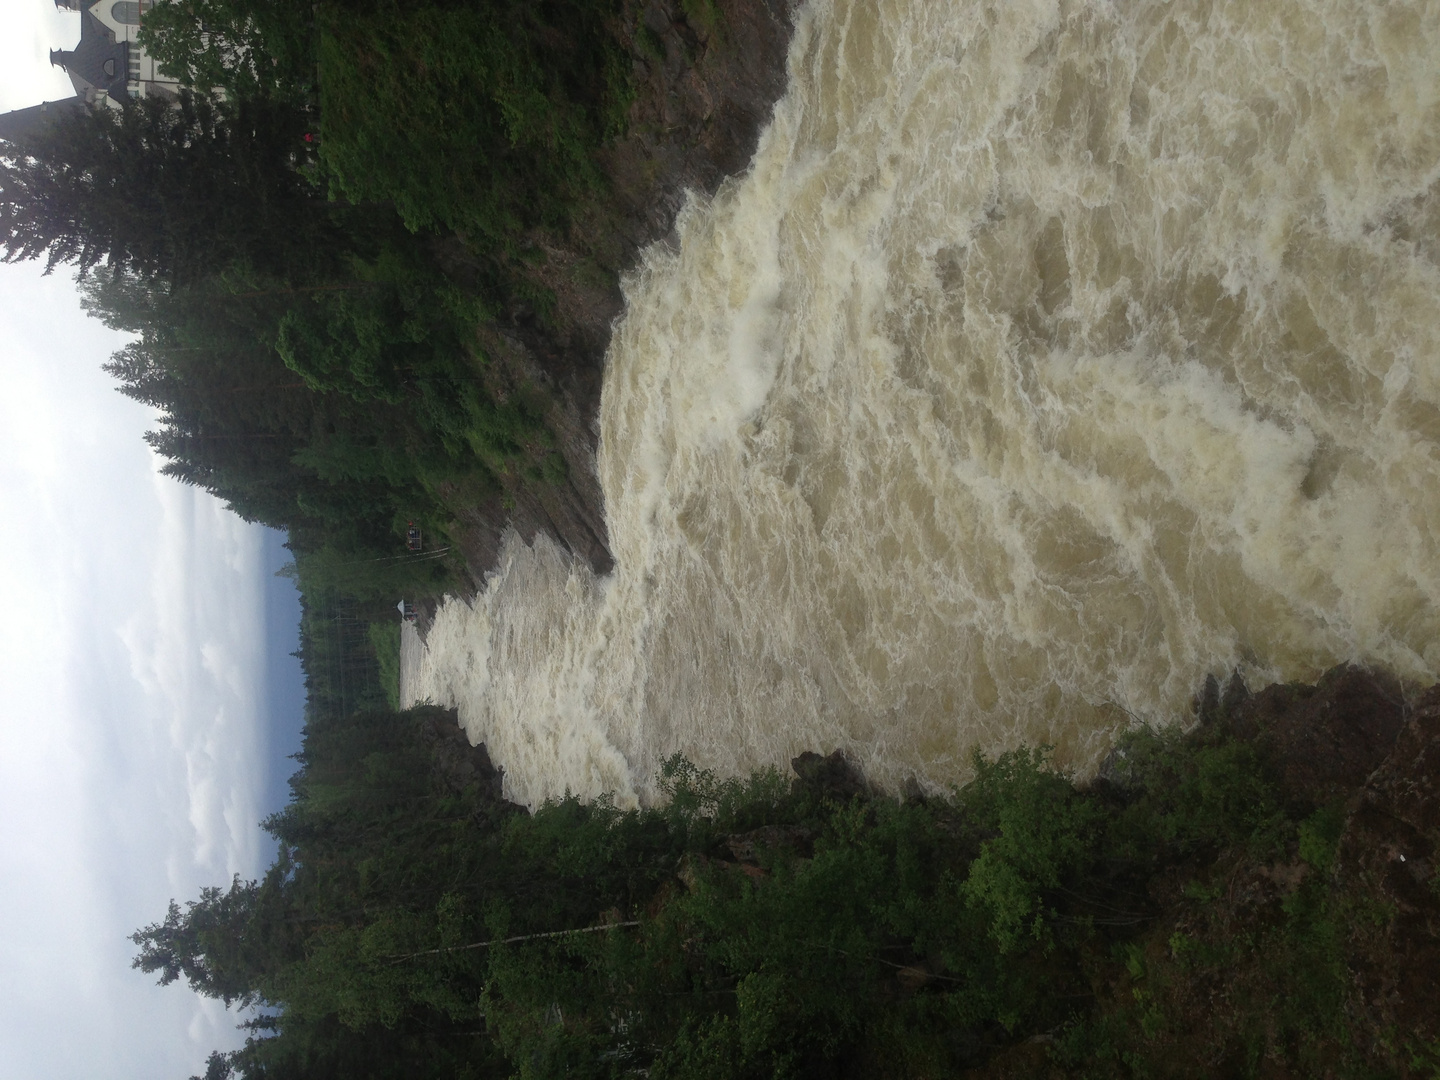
(1049, 357)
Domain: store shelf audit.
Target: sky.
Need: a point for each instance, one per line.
(148, 701)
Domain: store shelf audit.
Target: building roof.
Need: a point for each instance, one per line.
(98, 68)
(99, 62)
(22, 123)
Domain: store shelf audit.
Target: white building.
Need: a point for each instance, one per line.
(106, 66)
(109, 63)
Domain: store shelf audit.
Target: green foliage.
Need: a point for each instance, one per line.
(224, 264)
(703, 805)
(214, 943)
(1191, 796)
(457, 116)
(339, 411)
(314, 362)
(1043, 840)
(651, 44)
(348, 345)
(385, 639)
(754, 928)
(1424, 1057)
(701, 14)
(1319, 833)
(168, 193)
(246, 48)
(342, 671)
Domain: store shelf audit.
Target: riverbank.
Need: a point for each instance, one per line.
(706, 76)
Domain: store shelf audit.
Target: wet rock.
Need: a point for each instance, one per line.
(458, 765)
(1116, 772)
(1324, 740)
(425, 610)
(689, 870)
(1211, 704)
(1235, 696)
(693, 868)
(1207, 702)
(705, 93)
(834, 776)
(912, 792)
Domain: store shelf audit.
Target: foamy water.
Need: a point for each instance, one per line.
(1049, 357)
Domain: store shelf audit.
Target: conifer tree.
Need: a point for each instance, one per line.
(167, 192)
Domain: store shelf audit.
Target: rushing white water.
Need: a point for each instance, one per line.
(1049, 356)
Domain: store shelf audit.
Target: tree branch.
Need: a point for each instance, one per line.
(512, 940)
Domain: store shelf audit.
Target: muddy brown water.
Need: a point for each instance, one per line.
(1048, 357)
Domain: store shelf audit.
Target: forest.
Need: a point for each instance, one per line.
(368, 260)
(1258, 897)
(328, 248)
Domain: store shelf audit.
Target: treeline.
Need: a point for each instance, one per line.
(307, 244)
(1238, 901)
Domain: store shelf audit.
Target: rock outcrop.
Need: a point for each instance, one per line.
(458, 766)
(834, 776)
(1324, 739)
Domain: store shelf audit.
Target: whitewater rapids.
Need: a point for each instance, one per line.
(1049, 357)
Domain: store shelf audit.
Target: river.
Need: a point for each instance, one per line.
(1048, 357)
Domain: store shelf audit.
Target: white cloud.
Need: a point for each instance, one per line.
(131, 706)
(32, 29)
(198, 653)
(130, 680)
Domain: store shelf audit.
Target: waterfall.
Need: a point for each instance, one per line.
(1048, 357)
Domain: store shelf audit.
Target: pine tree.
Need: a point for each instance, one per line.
(168, 192)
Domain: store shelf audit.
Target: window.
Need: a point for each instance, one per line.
(126, 12)
(109, 67)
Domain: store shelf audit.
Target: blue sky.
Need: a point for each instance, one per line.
(147, 699)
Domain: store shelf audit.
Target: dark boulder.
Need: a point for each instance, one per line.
(1323, 740)
(834, 776)
(458, 766)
